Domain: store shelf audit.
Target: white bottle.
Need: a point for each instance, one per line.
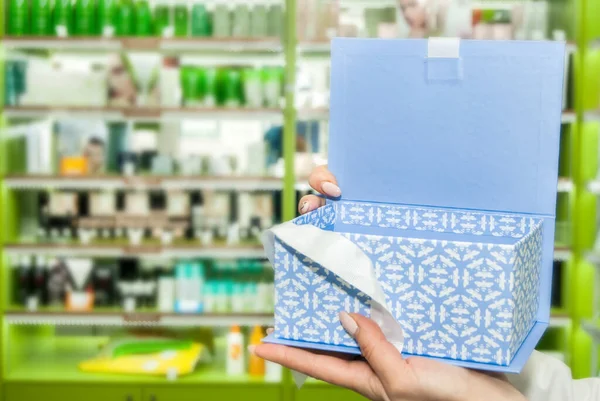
(235, 352)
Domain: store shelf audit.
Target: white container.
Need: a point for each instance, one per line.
(235, 353)
(166, 294)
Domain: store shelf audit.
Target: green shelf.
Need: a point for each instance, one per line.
(55, 360)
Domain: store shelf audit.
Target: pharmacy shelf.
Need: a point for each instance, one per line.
(114, 249)
(149, 114)
(568, 116)
(229, 183)
(56, 360)
(165, 45)
(103, 318)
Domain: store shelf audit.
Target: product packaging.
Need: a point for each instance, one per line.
(444, 232)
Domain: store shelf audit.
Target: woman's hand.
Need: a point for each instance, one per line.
(385, 376)
(322, 181)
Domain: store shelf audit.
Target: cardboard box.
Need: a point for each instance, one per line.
(447, 155)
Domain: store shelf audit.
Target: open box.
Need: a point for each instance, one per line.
(447, 155)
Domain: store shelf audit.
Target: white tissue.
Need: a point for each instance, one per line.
(342, 257)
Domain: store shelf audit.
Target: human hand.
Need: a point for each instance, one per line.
(384, 375)
(322, 181)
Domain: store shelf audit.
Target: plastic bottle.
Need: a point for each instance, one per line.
(85, 17)
(63, 18)
(41, 21)
(181, 21)
(235, 352)
(18, 19)
(125, 18)
(256, 366)
(143, 19)
(106, 17)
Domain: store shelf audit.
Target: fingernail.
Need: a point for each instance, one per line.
(348, 323)
(270, 330)
(304, 207)
(331, 189)
(252, 349)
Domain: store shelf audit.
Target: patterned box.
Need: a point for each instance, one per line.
(446, 152)
(455, 298)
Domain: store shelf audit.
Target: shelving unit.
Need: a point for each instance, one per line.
(55, 373)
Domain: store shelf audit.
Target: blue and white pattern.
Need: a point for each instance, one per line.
(434, 219)
(471, 301)
(309, 299)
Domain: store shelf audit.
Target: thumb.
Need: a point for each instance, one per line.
(385, 360)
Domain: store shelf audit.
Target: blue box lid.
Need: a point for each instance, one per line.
(463, 124)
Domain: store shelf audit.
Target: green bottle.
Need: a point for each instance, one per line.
(181, 21)
(275, 27)
(232, 88)
(63, 17)
(162, 19)
(241, 21)
(200, 21)
(143, 19)
(258, 22)
(210, 87)
(125, 19)
(18, 20)
(41, 17)
(85, 17)
(272, 85)
(192, 84)
(222, 21)
(106, 16)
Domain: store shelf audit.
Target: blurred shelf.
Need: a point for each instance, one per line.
(107, 182)
(166, 45)
(56, 360)
(143, 318)
(116, 248)
(151, 114)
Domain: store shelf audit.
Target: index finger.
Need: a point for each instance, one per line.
(324, 182)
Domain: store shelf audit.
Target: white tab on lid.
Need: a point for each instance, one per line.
(443, 47)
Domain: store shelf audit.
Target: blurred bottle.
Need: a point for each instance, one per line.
(106, 17)
(18, 19)
(256, 365)
(235, 352)
(241, 21)
(232, 84)
(210, 86)
(259, 21)
(201, 25)
(41, 17)
(143, 19)
(181, 21)
(221, 21)
(162, 19)
(63, 17)
(275, 27)
(125, 18)
(85, 17)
